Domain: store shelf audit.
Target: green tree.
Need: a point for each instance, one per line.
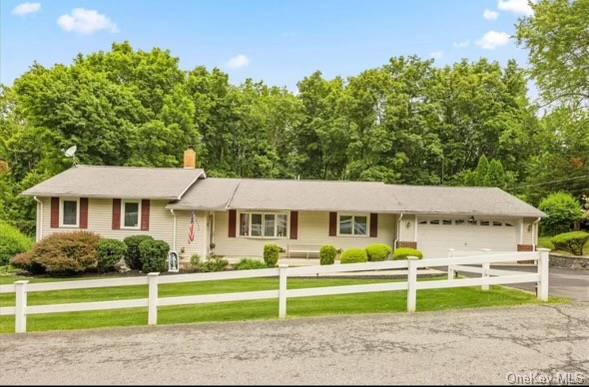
(563, 212)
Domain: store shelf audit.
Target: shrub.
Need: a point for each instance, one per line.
(354, 256)
(571, 241)
(327, 255)
(563, 211)
(194, 261)
(248, 264)
(12, 242)
(24, 261)
(110, 252)
(404, 252)
(66, 253)
(378, 252)
(271, 254)
(154, 255)
(133, 256)
(214, 263)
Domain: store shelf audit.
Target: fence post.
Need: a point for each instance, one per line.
(152, 281)
(543, 267)
(282, 287)
(451, 272)
(411, 283)
(485, 272)
(20, 312)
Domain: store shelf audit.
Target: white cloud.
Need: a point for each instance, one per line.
(238, 62)
(463, 44)
(437, 55)
(493, 39)
(26, 9)
(519, 7)
(85, 21)
(490, 15)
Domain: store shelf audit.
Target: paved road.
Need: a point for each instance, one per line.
(474, 346)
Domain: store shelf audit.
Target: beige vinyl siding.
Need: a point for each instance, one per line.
(100, 221)
(313, 229)
(199, 245)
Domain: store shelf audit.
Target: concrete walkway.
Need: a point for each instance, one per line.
(485, 346)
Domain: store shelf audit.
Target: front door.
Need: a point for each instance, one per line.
(211, 232)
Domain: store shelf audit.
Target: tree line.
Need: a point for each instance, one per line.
(407, 121)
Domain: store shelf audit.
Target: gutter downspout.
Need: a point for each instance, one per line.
(398, 229)
(535, 233)
(173, 230)
(39, 233)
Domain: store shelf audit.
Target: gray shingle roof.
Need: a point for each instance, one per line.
(309, 195)
(118, 182)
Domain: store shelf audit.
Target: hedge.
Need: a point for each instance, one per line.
(378, 252)
(327, 255)
(110, 252)
(12, 242)
(404, 252)
(249, 264)
(133, 256)
(571, 241)
(354, 256)
(154, 255)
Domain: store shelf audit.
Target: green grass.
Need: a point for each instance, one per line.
(383, 302)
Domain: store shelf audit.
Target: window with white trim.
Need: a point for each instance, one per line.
(69, 213)
(263, 224)
(131, 212)
(353, 225)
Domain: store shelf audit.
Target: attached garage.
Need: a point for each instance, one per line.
(437, 235)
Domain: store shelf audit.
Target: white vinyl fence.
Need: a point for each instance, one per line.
(487, 277)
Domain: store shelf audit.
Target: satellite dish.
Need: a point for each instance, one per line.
(71, 153)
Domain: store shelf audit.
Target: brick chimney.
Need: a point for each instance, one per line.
(190, 161)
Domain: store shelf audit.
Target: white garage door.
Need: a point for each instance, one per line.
(436, 236)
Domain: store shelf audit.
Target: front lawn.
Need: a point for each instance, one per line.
(384, 302)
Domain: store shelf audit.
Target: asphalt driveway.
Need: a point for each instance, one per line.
(474, 346)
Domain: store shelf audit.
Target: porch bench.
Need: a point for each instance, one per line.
(302, 249)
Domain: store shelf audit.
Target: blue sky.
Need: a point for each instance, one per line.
(278, 41)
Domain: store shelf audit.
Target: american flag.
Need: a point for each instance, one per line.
(192, 228)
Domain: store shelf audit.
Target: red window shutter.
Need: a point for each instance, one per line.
(54, 212)
(232, 223)
(332, 223)
(145, 204)
(294, 224)
(116, 214)
(83, 212)
(373, 225)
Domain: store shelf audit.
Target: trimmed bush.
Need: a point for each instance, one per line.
(563, 211)
(271, 254)
(354, 256)
(571, 241)
(154, 255)
(24, 261)
(110, 252)
(133, 256)
(194, 261)
(404, 252)
(327, 255)
(249, 264)
(67, 253)
(212, 264)
(12, 242)
(378, 252)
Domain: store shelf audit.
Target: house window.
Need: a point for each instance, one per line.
(263, 225)
(459, 222)
(131, 214)
(69, 212)
(353, 225)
